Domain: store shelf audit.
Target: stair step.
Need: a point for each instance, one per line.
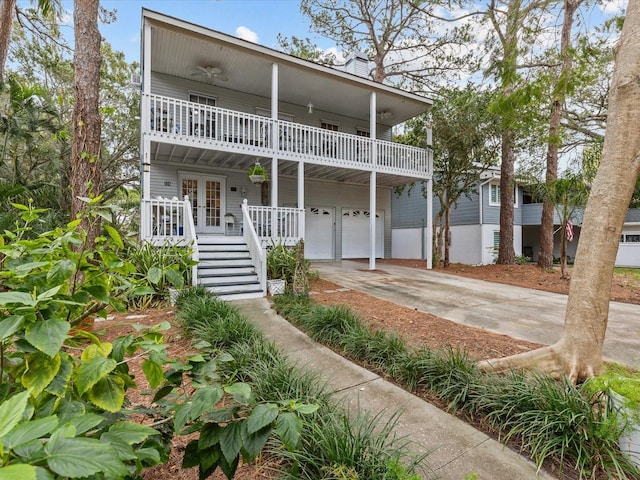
(219, 240)
(233, 288)
(223, 247)
(226, 262)
(240, 295)
(225, 256)
(215, 269)
(227, 280)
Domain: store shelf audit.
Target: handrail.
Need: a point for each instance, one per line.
(258, 254)
(193, 239)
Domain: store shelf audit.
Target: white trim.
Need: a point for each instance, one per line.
(497, 204)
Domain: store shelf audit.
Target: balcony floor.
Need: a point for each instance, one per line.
(186, 151)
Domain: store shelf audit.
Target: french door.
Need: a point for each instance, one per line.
(207, 201)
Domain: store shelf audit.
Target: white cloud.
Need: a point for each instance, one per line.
(612, 7)
(247, 34)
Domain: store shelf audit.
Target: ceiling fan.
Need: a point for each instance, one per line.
(211, 72)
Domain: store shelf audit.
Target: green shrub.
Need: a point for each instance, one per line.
(159, 267)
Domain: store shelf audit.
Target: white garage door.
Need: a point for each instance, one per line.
(319, 236)
(355, 233)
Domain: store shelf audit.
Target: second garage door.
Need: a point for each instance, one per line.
(355, 233)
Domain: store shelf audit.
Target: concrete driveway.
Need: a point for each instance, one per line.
(519, 312)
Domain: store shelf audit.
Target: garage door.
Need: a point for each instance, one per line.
(319, 235)
(355, 233)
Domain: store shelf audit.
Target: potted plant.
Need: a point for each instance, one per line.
(229, 219)
(280, 265)
(622, 389)
(258, 174)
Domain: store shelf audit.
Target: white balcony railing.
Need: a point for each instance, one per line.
(169, 221)
(171, 117)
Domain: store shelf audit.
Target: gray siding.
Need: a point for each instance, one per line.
(409, 208)
(633, 215)
(164, 183)
(467, 212)
(243, 102)
(491, 213)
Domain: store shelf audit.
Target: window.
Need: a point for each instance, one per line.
(494, 195)
(329, 126)
(202, 99)
(496, 239)
(361, 132)
(202, 120)
(630, 238)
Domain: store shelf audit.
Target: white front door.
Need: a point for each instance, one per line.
(207, 200)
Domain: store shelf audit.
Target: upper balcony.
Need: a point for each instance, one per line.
(179, 122)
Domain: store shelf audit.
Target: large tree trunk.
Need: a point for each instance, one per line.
(447, 234)
(86, 169)
(545, 259)
(506, 253)
(578, 353)
(7, 8)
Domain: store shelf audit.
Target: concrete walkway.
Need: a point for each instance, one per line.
(522, 313)
(456, 449)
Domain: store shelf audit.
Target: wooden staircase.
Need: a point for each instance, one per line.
(226, 269)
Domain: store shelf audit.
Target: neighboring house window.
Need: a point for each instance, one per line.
(329, 126)
(494, 195)
(630, 238)
(496, 239)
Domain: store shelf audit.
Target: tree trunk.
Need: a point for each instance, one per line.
(506, 253)
(545, 259)
(7, 7)
(447, 234)
(86, 171)
(578, 353)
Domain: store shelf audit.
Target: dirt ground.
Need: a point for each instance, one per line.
(416, 327)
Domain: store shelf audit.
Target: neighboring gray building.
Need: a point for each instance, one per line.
(475, 226)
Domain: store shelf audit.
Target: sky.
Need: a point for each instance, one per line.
(258, 21)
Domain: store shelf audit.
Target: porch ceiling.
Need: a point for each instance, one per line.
(204, 159)
(178, 47)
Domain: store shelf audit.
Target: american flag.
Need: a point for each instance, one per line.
(569, 230)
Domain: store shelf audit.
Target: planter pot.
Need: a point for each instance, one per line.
(257, 179)
(630, 440)
(173, 295)
(229, 221)
(276, 287)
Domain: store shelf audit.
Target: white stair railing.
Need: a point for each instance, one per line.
(258, 254)
(192, 238)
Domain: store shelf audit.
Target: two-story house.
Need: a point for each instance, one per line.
(213, 106)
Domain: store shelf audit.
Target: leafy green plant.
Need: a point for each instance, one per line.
(159, 267)
(63, 389)
(281, 262)
(258, 170)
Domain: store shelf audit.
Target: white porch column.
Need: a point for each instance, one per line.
(372, 181)
(146, 60)
(429, 250)
(301, 218)
(372, 221)
(275, 137)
